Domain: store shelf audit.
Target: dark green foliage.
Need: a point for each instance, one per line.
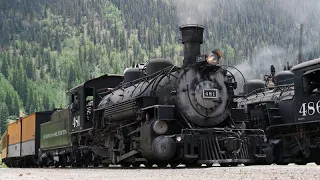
(4, 114)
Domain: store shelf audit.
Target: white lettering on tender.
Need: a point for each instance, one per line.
(310, 108)
(55, 134)
(76, 121)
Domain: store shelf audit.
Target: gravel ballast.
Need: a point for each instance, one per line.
(310, 171)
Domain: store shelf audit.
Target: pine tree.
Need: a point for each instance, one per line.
(46, 102)
(5, 68)
(24, 90)
(57, 43)
(71, 78)
(54, 71)
(4, 113)
(16, 107)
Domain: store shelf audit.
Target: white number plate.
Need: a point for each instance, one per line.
(209, 93)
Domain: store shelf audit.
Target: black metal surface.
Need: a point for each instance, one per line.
(283, 78)
(164, 148)
(238, 114)
(131, 74)
(128, 109)
(253, 85)
(156, 65)
(41, 117)
(221, 146)
(161, 112)
(192, 38)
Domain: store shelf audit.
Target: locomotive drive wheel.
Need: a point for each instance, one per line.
(174, 164)
(148, 165)
(105, 165)
(136, 165)
(193, 165)
(282, 163)
(162, 165)
(125, 165)
(224, 164)
(301, 163)
(232, 164)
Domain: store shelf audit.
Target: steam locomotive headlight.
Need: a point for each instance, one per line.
(178, 138)
(214, 57)
(160, 127)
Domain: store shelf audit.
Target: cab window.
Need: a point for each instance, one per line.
(311, 82)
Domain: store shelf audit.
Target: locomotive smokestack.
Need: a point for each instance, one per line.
(192, 37)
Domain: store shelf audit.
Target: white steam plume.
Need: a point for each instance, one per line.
(291, 12)
(260, 64)
(193, 11)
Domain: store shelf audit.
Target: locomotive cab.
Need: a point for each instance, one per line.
(84, 98)
(307, 91)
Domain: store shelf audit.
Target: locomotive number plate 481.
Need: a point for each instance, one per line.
(209, 93)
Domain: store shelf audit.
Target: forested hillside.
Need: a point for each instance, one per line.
(49, 46)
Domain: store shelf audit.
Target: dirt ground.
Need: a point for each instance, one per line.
(310, 171)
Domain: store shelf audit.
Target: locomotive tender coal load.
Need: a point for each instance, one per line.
(158, 114)
(289, 112)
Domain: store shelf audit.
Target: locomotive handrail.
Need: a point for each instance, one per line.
(254, 92)
(244, 79)
(221, 129)
(270, 88)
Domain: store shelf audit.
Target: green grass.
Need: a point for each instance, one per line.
(2, 165)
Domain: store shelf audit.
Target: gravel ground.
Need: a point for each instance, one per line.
(310, 171)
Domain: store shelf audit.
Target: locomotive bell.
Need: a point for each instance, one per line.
(192, 37)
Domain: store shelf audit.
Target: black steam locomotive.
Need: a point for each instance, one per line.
(155, 114)
(164, 114)
(287, 106)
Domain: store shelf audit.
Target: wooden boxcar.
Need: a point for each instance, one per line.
(14, 143)
(24, 140)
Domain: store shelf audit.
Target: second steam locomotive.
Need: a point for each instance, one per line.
(159, 114)
(287, 107)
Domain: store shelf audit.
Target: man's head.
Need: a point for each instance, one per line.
(76, 97)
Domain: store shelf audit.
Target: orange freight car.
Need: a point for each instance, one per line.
(23, 139)
(28, 135)
(14, 133)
